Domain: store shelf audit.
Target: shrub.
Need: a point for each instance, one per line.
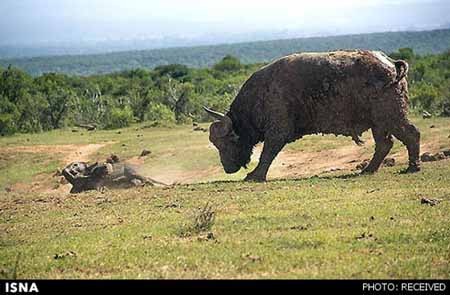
(119, 117)
(228, 64)
(201, 221)
(425, 97)
(159, 112)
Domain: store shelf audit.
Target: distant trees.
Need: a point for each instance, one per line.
(404, 53)
(422, 42)
(172, 93)
(228, 64)
(429, 80)
(9, 116)
(21, 106)
(57, 97)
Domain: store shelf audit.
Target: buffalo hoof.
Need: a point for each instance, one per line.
(367, 171)
(255, 178)
(412, 169)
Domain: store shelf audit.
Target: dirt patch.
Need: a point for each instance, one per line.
(174, 176)
(293, 164)
(290, 164)
(67, 153)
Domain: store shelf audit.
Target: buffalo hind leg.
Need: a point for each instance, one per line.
(383, 144)
(271, 148)
(409, 135)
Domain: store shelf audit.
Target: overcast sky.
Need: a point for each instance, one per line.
(29, 21)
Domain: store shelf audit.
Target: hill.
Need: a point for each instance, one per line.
(423, 42)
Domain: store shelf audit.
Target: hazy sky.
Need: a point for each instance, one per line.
(28, 21)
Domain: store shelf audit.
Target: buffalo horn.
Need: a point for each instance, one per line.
(214, 114)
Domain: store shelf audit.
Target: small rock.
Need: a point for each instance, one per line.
(430, 202)
(440, 156)
(332, 169)
(446, 152)
(427, 157)
(64, 255)
(253, 258)
(432, 126)
(198, 128)
(119, 132)
(74, 130)
(364, 236)
(209, 236)
(145, 153)
(363, 164)
(112, 159)
(389, 162)
(298, 227)
(172, 205)
(426, 115)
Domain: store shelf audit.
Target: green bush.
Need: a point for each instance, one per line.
(228, 64)
(159, 112)
(119, 117)
(8, 117)
(425, 97)
(168, 94)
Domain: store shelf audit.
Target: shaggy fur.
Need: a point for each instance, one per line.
(341, 93)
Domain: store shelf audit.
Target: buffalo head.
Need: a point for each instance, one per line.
(234, 154)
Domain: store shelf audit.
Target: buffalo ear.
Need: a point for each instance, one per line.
(220, 129)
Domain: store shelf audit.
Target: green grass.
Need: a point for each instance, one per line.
(335, 226)
(22, 167)
(355, 227)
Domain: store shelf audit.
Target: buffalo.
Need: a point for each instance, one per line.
(344, 92)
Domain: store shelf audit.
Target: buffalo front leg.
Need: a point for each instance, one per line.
(270, 150)
(383, 144)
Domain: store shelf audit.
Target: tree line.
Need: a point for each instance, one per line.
(171, 94)
(423, 42)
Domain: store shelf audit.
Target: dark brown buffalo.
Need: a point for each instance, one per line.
(341, 93)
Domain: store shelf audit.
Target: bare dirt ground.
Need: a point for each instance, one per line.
(291, 164)
(288, 164)
(68, 153)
